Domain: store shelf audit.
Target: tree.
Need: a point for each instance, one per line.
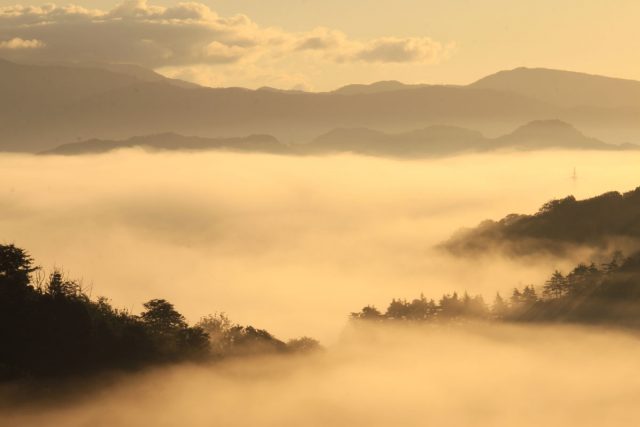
(553, 205)
(529, 296)
(450, 305)
(16, 267)
(61, 288)
(616, 260)
(516, 297)
(398, 309)
(499, 308)
(421, 308)
(303, 344)
(194, 342)
(367, 313)
(161, 317)
(474, 306)
(555, 286)
(247, 339)
(581, 278)
(217, 327)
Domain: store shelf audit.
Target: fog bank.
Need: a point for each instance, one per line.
(287, 244)
(457, 376)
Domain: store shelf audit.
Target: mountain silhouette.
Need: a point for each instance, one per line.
(173, 141)
(140, 73)
(565, 88)
(436, 140)
(448, 140)
(44, 106)
(541, 134)
(430, 141)
(377, 87)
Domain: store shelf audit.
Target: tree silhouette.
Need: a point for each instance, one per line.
(586, 295)
(16, 267)
(162, 317)
(499, 308)
(368, 313)
(529, 296)
(53, 329)
(555, 286)
(303, 344)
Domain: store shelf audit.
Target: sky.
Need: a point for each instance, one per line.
(321, 45)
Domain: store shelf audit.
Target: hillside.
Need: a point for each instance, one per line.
(565, 88)
(610, 221)
(82, 336)
(542, 134)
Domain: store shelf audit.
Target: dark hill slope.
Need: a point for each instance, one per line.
(609, 221)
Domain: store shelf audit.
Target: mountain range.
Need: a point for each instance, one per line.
(175, 142)
(428, 142)
(44, 106)
(440, 140)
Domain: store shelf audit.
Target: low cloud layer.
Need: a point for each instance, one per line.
(188, 35)
(289, 244)
(500, 376)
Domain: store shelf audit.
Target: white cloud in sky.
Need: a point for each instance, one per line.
(18, 43)
(191, 35)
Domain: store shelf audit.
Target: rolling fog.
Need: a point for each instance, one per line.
(292, 245)
(498, 376)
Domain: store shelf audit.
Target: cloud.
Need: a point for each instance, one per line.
(184, 35)
(321, 39)
(340, 48)
(393, 49)
(18, 43)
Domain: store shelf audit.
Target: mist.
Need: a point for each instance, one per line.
(292, 245)
(456, 376)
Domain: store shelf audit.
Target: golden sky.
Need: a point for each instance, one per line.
(323, 44)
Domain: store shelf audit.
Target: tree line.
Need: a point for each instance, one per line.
(605, 294)
(50, 327)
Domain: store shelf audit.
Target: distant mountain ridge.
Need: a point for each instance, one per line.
(565, 88)
(173, 142)
(447, 140)
(542, 134)
(377, 87)
(437, 140)
(43, 106)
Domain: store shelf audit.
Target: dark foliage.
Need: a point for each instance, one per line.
(51, 328)
(606, 295)
(558, 225)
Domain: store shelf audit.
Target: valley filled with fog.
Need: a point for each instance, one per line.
(498, 376)
(290, 244)
(251, 213)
